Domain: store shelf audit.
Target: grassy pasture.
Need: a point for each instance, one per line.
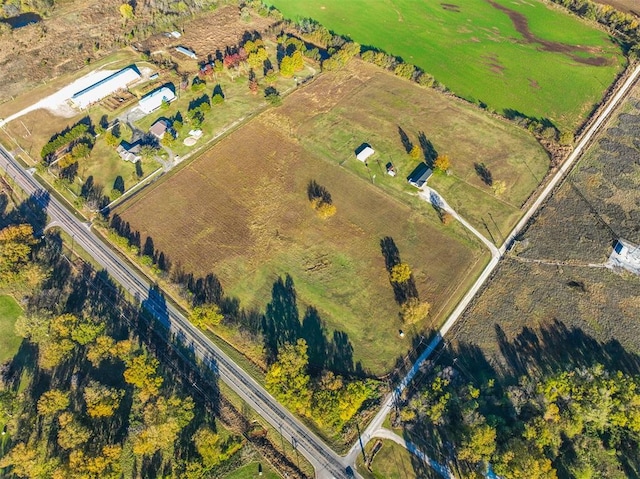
(362, 103)
(243, 213)
(393, 461)
(9, 342)
(250, 471)
(557, 67)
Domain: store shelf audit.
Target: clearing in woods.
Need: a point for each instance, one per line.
(514, 56)
(241, 210)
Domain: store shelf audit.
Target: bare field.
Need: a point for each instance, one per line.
(550, 302)
(362, 103)
(85, 33)
(242, 212)
(630, 6)
(61, 44)
(209, 32)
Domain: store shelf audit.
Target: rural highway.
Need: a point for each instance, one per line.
(327, 464)
(377, 423)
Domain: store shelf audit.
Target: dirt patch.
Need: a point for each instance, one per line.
(494, 64)
(451, 7)
(521, 24)
(629, 6)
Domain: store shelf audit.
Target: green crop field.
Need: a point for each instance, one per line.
(511, 55)
(9, 312)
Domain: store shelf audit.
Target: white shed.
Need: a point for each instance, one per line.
(187, 52)
(154, 100)
(105, 87)
(364, 153)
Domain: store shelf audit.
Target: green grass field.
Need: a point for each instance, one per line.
(9, 342)
(393, 461)
(250, 471)
(558, 70)
(362, 103)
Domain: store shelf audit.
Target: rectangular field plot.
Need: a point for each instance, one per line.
(242, 211)
(361, 103)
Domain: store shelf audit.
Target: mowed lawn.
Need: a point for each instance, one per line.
(250, 471)
(242, 211)
(511, 55)
(9, 341)
(339, 111)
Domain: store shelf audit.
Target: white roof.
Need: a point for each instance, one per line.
(105, 87)
(366, 152)
(186, 51)
(154, 100)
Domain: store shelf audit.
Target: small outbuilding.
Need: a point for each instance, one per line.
(159, 128)
(364, 151)
(187, 52)
(154, 100)
(420, 175)
(391, 170)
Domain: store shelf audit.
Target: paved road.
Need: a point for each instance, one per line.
(326, 463)
(389, 401)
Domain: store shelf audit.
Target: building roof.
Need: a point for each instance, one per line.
(154, 100)
(159, 128)
(105, 87)
(420, 175)
(364, 151)
(186, 51)
(129, 151)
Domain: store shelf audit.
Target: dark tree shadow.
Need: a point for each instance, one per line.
(483, 172)
(281, 323)
(33, 211)
(217, 90)
(404, 138)
(313, 332)
(430, 152)
(341, 353)
(197, 102)
(316, 191)
(390, 252)
(402, 291)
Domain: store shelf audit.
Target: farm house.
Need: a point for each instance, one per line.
(420, 175)
(159, 128)
(154, 100)
(105, 87)
(364, 151)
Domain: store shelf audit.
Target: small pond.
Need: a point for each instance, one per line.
(22, 20)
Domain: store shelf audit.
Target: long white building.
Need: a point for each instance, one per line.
(105, 87)
(154, 100)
